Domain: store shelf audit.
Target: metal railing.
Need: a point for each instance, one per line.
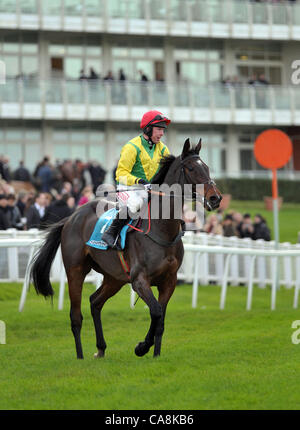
(239, 103)
(138, 15)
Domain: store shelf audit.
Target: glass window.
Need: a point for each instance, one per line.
(214, 72)
(33, 135)
(75, 50)
(246, 159)
(33, 154)
(94, 50)
(61, 151)
(72, 8)
(14, 153)
(60, 135)
(8, 6)
(93, 7)
(14, 134)
(29, 65)
(29, 48)
(55, 49)
(12, 65)
(97, 152)
(28, 6)
(79, 135)
(73, 67)
(96, 136)
(117, 8)
(79, 151)
(52, 7)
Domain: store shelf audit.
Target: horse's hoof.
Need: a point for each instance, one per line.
(99, 354)
(141, 349)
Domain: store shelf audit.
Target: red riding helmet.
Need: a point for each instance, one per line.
(155, 119)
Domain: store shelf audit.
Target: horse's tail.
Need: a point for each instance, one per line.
(42, 260)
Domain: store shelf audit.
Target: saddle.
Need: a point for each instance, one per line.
(103, 224)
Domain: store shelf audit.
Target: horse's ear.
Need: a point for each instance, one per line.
(186, 148)
(198, 147)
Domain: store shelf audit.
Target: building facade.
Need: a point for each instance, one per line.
(222, 70)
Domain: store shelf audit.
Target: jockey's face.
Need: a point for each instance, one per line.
(157, 134)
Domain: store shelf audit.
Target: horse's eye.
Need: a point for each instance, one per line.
(190, 168)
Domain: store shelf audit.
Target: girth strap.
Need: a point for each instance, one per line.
(167, 243)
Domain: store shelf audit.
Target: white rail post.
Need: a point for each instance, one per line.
(62, 278)
(13, 261)
(132, 297)
(274, 284)
(196, 279)
(234, 262)
(225, 282)
(287, 264)
(219, 258)
(297, 276)
(250, 282)
(26, 282)
(261, 265)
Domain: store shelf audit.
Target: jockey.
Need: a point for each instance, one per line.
(138, 164)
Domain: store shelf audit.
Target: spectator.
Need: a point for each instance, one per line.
(36, 211)
(109, 76)
(93, 74)
(4, 168)
(4, 222)
(253, 79)
(86, 195)
(56, 211)
(213, 225)
(228, 226)
(71, 203)
(192, 222)
(97, 174)
(246, 228)
(144, 78)
(122, 76)
(261, 230)
(45, 175)
(82, 75)
(13, 213)
(22, 173)
(262, 80)
(21, 201)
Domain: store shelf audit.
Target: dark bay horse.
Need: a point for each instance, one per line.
(153, 258)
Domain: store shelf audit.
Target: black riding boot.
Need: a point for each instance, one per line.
(111, 234)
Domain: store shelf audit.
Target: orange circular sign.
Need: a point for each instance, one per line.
(273, 149)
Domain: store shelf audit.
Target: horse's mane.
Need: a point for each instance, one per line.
(165, 164)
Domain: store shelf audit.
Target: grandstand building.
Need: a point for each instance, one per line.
(223, 70)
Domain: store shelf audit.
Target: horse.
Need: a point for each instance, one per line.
(152, 259)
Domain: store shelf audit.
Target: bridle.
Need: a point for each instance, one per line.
(186, 178)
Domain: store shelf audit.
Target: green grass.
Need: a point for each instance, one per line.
(289, 221)
(211, 359)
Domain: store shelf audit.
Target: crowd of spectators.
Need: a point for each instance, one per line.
(52, 192)
(231, 224)
(93, 75)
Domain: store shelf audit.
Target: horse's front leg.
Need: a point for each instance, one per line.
(165, 289)
(143, 288)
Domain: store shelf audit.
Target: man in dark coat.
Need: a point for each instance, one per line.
(261, 230)
(22, 174)
(56, 211)
(4, 222)
(35, 212)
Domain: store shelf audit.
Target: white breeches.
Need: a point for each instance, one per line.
(134, 200)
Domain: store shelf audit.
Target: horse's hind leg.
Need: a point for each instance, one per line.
(76, 276)
(108, 288)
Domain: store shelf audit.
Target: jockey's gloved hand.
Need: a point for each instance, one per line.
(147, 187)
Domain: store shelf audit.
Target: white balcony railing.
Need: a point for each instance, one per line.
(208, 18)
(102, 100)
